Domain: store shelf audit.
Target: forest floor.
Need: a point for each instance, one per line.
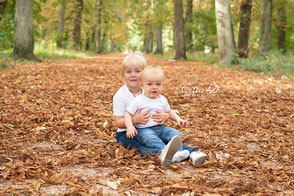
(57, 135)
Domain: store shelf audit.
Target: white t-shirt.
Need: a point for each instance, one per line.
(121, 100)
(147, 104)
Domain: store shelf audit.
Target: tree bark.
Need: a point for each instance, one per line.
(179, 30)
(281, 26)
(23, 32)
(77, 23)
(189, 25)
(158, 36)
(225, 36)
(61, 24)
(2, 8)
(266, 28)
(98, 28)
(244, 29)
(148, 40)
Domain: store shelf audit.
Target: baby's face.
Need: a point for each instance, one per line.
(152, 85)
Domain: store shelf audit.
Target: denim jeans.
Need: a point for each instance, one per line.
(157, 136)
(134, 143)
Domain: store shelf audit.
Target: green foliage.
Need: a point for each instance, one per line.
(275, 64)
(210, 58)
(7, 26)
(204, 28)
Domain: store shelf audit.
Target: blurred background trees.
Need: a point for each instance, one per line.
(152, 26)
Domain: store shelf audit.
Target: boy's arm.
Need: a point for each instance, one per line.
(131, 130)
(175, 117)
(138, 118)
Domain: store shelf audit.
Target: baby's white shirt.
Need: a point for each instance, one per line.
(147, 104)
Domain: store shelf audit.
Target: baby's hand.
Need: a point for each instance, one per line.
(131, 132)
(141, 118)
(160, 117)
(183, 123)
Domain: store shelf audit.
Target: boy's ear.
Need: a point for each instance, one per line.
(141, 84)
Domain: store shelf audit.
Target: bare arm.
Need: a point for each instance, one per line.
(131, 130)
(175, 117)
(138, 118)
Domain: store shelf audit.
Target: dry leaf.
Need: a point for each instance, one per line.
(57, 178)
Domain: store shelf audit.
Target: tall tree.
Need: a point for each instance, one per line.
(189, 25)
(179, 31)
(61, 23)
(77, 23)
(148, 37)
(266, 28)
(158, 36)
(225, 35)
(281, 26)
(244, 29)
(23, 32)
(98, 28)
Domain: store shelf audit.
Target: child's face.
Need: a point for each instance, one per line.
(132, 74)
(152, 85)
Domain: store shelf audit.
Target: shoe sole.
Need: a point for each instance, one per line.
(172, 147)
(200, 160)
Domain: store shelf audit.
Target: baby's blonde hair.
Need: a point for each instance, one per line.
(132, 57)
(151, 68)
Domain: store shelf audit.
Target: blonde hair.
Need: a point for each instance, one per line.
(132, 57)
(154, 69)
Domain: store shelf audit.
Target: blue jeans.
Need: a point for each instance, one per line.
(130, 143)
(157, 136)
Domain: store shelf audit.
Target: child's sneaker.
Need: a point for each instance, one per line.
(169, 150)
(197, 158)
(180, 156)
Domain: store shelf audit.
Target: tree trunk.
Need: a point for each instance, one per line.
(180, 29)
(281, 26)
(225, 36)
(158, 35)
(148, 40)
(23, 32)
(200, 5)
(266, 28)
(112, 44)
(98, 28)
(189, 25)
(61, 24)
(2, 8)
(244, 29)
(77, 23)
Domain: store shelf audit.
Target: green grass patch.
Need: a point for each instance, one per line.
(55, 53)
(275, 64)
(7, 61)
(210, 58)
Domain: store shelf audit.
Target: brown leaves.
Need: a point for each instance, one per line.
(57, 134)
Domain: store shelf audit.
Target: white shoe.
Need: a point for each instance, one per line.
(180, 156)
(198, 158)
(169, 150)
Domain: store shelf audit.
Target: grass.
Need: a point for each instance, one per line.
(7, 61)
(275, 64)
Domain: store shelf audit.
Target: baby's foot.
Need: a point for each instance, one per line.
(170, 149)
(180, 156)
(197, 158)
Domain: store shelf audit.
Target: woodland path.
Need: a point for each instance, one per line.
(57, 132)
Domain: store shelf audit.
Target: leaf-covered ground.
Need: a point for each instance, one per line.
(57, 134)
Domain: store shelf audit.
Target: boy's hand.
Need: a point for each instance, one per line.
(131, 132)
(141, 118)
(160, 117)
(183, 123)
